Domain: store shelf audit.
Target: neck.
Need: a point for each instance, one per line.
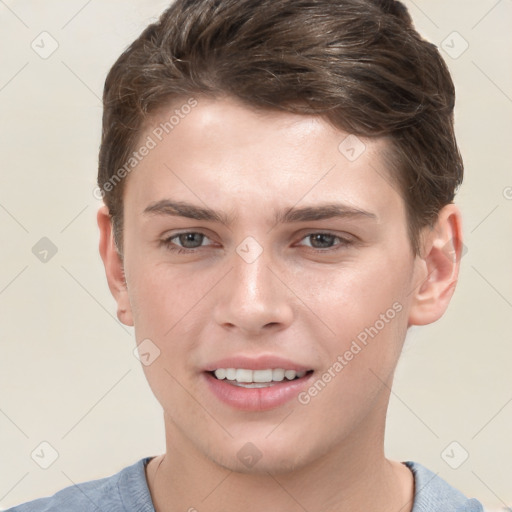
(353, 476)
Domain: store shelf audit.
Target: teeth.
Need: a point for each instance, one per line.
(261, 375)
(290, 374)
(257, 376)
(220, 373)
(278, 374)
(243, 376)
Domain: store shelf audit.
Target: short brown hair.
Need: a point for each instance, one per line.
(360, 64)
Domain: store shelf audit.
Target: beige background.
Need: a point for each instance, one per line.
(68, 375)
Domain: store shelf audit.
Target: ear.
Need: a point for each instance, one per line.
(437, 268)
(114, 267)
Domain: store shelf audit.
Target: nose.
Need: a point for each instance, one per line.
(253, 297)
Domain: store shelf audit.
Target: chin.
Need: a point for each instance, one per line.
(262, 457)
(264, 466)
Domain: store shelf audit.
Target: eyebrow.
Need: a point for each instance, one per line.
(289, 215)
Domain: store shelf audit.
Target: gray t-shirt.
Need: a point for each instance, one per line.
(127, 491)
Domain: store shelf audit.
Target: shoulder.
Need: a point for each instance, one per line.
(433, 494)
(126, 491)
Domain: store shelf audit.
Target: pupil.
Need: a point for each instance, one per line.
(191, 240)
(324, 239)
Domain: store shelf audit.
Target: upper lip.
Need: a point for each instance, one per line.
(261, 362)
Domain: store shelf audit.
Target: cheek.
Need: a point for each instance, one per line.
(168, 311)
(359, 363)
(161, 298)
(353, 296)
(366, 311)
(162, 305)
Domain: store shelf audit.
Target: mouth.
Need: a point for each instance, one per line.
(257, 390)
(264, 378)
(256, 382)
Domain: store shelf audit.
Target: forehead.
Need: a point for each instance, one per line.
(222, 149)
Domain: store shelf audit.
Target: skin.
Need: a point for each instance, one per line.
(294, 301)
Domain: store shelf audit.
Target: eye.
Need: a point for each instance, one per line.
(321, 240)
(189, 241)
(185, 242)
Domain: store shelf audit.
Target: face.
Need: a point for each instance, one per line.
(255, 241)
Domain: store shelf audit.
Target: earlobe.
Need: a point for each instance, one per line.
(438, 267)
(113, 267)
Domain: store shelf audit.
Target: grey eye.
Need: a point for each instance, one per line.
(321, 240)
(190, 240)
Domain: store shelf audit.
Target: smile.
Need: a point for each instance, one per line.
(256, 390)
(256, 378)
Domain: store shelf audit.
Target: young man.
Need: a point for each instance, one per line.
(278, 179)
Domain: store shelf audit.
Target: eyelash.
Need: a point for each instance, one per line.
(344, 242)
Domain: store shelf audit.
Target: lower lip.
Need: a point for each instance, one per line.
(256, 399)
